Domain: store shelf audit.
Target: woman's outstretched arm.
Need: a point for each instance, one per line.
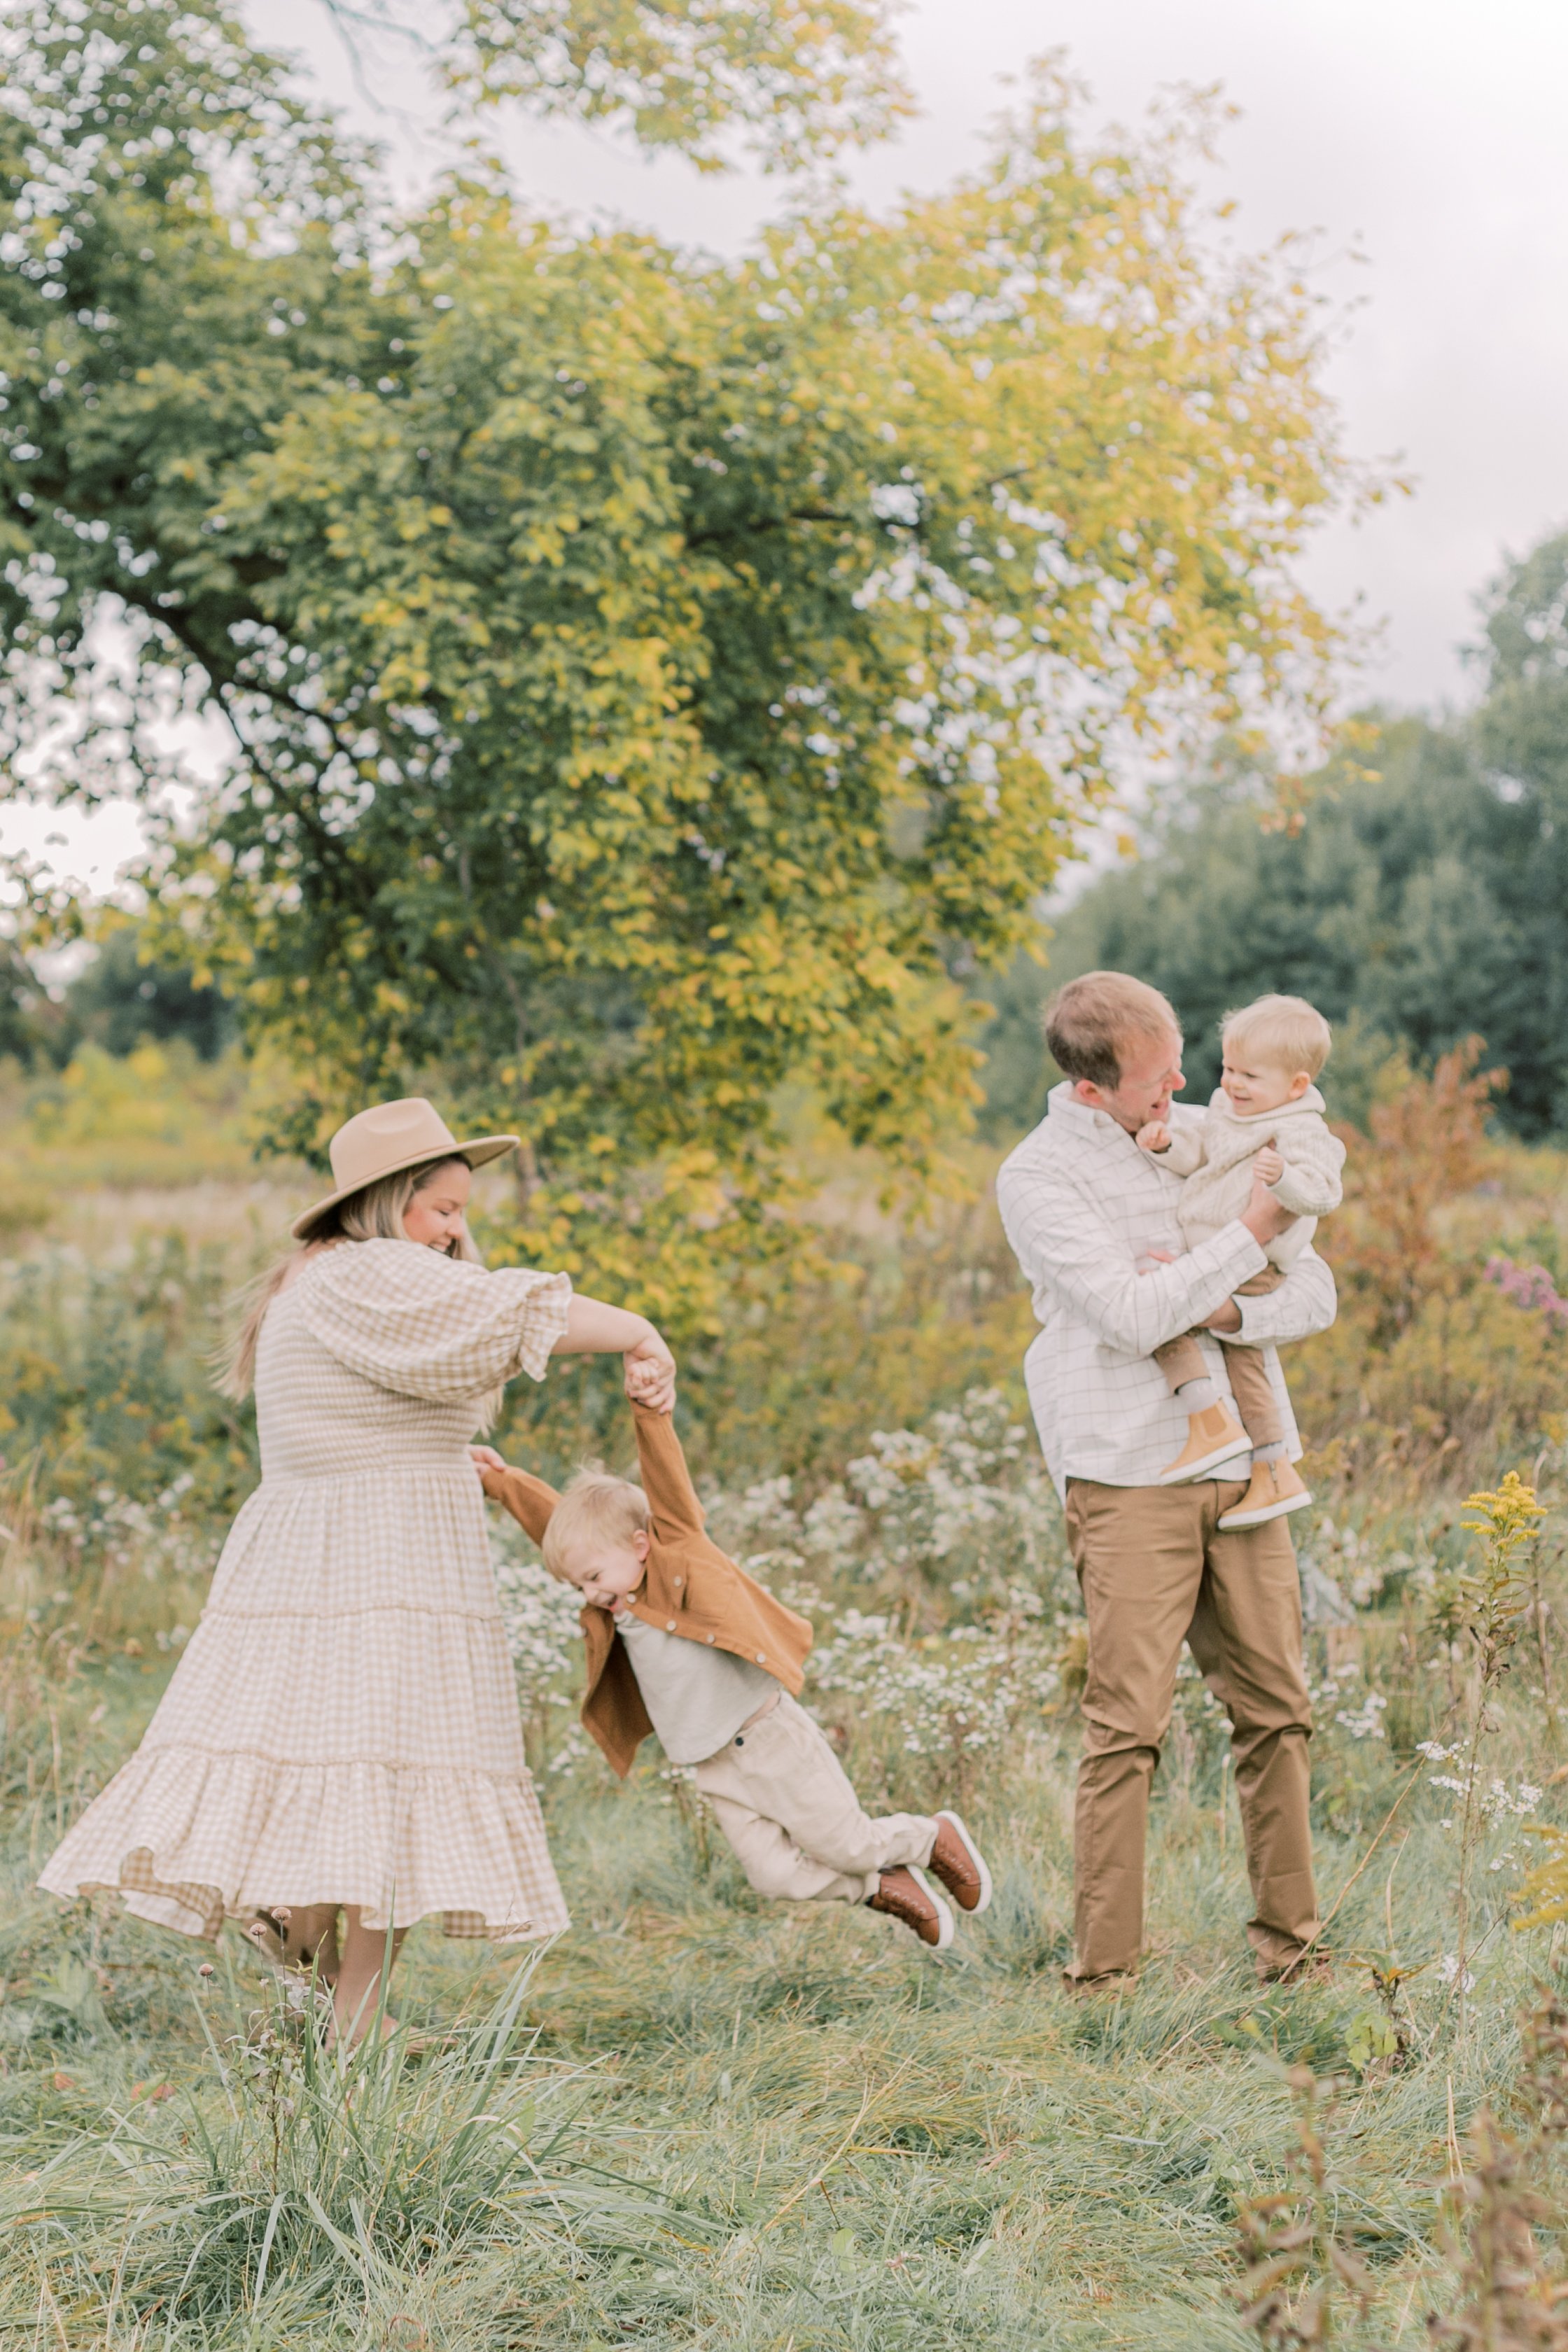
(594, 1330)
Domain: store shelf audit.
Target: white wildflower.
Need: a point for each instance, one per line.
(1364, 1722)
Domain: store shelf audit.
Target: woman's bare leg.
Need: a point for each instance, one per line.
(302, 1937)
(358, 1988)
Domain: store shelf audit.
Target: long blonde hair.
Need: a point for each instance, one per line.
(373, 1214)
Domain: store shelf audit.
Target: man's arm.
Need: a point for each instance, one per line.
(1061, 1240)
(1305, 1302)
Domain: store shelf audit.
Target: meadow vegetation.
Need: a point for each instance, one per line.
(656, 692)
(701, 2121)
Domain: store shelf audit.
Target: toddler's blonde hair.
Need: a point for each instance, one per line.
(597, 1507)
(1286, 1032)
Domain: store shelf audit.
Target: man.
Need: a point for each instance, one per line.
(1091, 1220)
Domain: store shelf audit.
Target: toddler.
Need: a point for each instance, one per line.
(1268, 1117)
(682, 1642)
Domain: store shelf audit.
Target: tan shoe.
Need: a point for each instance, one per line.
(1273, 1488)
(1213, 1437)
(1310, 1965)
(958, 1862)
(905, 1896)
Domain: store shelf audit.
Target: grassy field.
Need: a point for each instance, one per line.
(698, 2121)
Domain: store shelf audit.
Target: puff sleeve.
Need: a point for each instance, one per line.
(430, 1327)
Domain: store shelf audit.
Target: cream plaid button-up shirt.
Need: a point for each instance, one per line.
(1083, 1207)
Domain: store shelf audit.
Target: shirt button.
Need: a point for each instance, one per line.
(670, 1627)
(678, 1584)
(709, 1640)
(761, 1660)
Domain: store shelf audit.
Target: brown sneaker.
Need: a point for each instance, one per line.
(1213, 1437)
(1275, 1487)
(1313, 1966)
(958, 1862)
(905, 1896)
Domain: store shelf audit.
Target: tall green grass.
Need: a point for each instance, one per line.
(701, 2121)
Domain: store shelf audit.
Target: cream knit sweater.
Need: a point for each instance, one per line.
(1216, 1158)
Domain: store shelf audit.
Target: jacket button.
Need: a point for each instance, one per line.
(710, 1640)
(678, 1584)
(670, 1627)
(761, 1660)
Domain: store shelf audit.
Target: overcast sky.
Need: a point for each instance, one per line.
(1428, 133)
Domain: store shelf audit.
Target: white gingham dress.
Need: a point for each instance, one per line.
(344, 1726)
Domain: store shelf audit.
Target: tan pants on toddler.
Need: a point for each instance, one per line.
(798, 1830)
(1182, 1359)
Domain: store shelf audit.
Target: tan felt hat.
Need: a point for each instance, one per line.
(388, 1138)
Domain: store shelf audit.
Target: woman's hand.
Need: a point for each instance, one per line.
(485, 1457)
(594, 1330)
(650, 1373)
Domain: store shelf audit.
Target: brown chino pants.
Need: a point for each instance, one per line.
(1154, 1571)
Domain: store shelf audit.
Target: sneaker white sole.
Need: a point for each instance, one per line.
(1234, 1521)
(1240, 1444)
(943, 1916)
(975, 1856)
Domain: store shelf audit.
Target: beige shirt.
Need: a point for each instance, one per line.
(1083, 1209)
(697, 1698)
(1216, 1160)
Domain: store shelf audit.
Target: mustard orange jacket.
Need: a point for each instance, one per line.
(691, 1589)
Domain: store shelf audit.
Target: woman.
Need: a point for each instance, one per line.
(341, 1734)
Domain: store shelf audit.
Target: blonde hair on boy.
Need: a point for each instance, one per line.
(596, 1508)
(1285, 1032)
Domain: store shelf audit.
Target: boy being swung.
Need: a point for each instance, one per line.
(1265, 1121)
(683, 1643)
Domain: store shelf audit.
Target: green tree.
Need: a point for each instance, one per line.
(1423, 900)
(651, 681)
(792, 80)
(126, 994)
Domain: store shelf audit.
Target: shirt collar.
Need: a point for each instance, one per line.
(1062, 1104)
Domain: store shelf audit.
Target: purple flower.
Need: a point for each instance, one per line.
(1530, 1287)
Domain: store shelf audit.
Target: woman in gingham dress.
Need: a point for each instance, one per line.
(342, 1735)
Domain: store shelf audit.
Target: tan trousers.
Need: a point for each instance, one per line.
(1154, 1571)
(1182, 1359)
(786, 1807)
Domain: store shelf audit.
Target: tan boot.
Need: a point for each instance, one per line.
(958, 1862)
(1275, 1488)
(1213, 1437)
(908, 1896)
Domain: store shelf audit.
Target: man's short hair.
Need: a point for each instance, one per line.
(596, 1508)
(1285, 1032)
(1090, 1023)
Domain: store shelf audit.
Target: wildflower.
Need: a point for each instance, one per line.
(1530, 1287)
(1365, 1721)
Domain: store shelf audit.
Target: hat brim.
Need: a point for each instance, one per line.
(476, 1151)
